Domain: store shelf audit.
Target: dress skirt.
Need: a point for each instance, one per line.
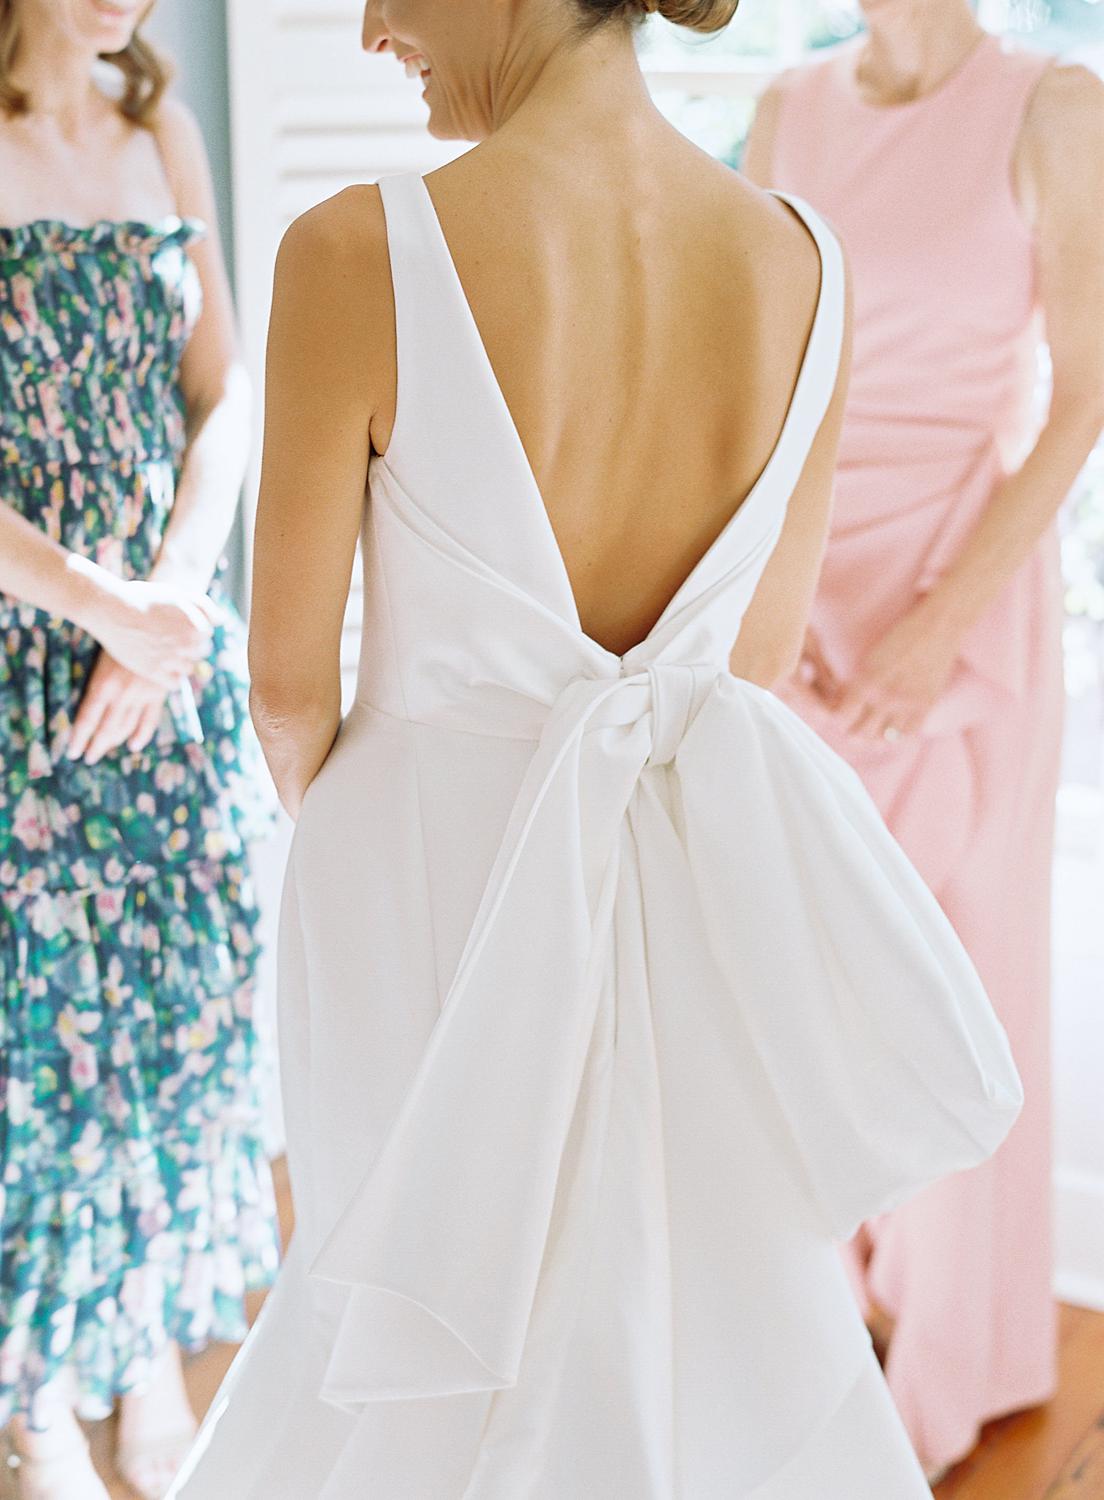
(862, 1453)
(269, 1435)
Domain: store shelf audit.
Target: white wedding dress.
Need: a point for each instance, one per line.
(606, 1004)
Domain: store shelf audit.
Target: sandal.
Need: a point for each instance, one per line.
(150, 1467)
(65, 1475)
(156, 1429)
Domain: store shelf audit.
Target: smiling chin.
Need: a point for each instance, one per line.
(439, 127)
(443, 128)
(440, 123)
(112, 26)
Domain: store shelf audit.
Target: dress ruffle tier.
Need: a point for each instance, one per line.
(137, 1199)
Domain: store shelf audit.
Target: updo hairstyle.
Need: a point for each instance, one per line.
(698, 15)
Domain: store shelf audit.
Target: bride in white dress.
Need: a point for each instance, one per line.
(606, 1001)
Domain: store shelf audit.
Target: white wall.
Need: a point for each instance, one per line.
(1079, 1048)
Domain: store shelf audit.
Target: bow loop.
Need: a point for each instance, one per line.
(678, 690)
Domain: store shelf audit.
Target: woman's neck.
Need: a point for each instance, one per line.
(588, 90)
(912, 46)
(56, 78)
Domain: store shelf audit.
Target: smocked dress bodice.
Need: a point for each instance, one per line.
(95, 323)
(93, 426)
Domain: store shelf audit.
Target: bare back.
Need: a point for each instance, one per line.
(645, 311)
(648, 285)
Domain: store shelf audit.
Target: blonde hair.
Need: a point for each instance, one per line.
(145, 72)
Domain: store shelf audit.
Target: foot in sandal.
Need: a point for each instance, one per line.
(156, 1429)
(51, 1464)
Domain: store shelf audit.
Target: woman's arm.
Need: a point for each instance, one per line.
(37, 570)
(212, 375)
(157, 630)
(1062, 155)
(119, 705)
(330, 342)
(1063, 193)
(152, 633)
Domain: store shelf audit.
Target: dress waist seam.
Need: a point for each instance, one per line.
(365, 705)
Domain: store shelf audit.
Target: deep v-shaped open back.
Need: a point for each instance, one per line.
(410, 194)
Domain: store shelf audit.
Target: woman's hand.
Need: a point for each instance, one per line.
(901, 679)
(118, 707)
(154, 630)
(813, 670)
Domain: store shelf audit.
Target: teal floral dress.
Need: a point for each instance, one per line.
(136, 1204)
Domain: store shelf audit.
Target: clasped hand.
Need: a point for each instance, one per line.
(152, 635)
(896, 684)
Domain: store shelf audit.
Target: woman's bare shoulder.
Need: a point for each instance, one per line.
(341, 232)
(338, 250)
(753, 232)
(770, 242)
(176, 128)
(1067, 103)
(183, 151)
(333, 271)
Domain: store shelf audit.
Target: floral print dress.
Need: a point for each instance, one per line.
(136, 1204)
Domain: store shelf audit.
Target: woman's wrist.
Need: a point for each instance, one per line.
(947, 611)
(190, 573)
(92, 593)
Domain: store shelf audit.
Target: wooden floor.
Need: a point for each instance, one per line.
(1054, 1453)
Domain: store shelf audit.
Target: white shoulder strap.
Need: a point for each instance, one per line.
(764, 509)
(816, 381)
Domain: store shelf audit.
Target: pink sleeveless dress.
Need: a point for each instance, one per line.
(946, 339)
